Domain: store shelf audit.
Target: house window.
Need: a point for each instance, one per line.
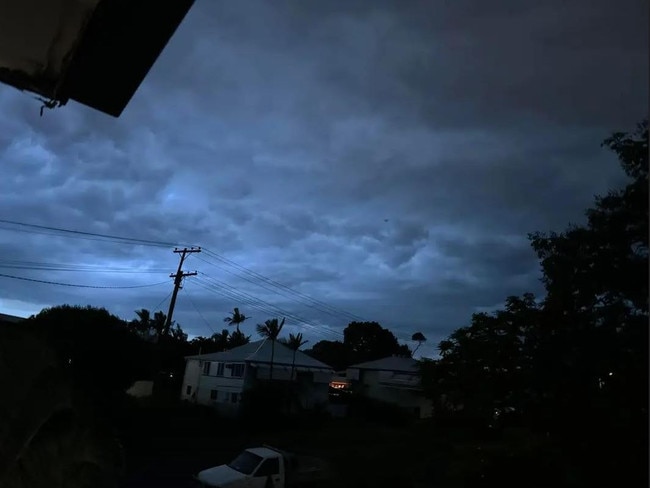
(206, 367)
(188, 390)
(234, 397)
(237, 370)
(213, 394)
(219, 369)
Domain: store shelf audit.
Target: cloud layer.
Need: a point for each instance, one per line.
(385, 158)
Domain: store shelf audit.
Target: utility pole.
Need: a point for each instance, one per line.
(178, 280)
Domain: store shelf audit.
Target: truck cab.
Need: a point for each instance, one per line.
(263, 467)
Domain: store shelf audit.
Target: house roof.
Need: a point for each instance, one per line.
(391, 363)
(259, 352)
(96, 52)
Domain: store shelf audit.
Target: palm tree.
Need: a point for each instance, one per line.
(221, 340)
(158, 322)
(419, 338)
(270, 330)
(143, 322)
(295, 342)
(235, 318)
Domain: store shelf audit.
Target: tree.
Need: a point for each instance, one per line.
(143, 323)
(575, 365)
(103, 356)
(237, 338)
(333, 353)
(485, 367)
(271, 330)
(419, 338)
(369, 341)
(235, 318)
(362, 341)
(158, 322)
(294, 343)
(596, 277)
(178, 334)
(206, 345)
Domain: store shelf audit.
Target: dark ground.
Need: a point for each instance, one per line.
(165, 446)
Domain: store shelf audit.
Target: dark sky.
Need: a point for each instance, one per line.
(385, 158)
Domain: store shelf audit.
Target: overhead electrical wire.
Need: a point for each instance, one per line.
(315, 329)
(186, 295)
(35, 228)
(279, 285)
(154, 309)
(275, 289)
(75, 285)
(244, 272)
(86, 268)
(227, 290)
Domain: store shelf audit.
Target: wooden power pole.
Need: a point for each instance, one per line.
(178, 280)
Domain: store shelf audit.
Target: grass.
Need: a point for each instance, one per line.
(166, 445)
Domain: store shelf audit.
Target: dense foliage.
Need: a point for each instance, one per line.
(362, 341)
(574, 364)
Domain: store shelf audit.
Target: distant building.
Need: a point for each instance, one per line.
(219, 379)
(392, 379)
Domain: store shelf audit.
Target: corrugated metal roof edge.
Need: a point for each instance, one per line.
(253, 361)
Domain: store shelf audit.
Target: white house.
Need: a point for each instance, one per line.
(219, 378)
(393, 379)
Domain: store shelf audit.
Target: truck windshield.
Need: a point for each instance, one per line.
(246, 462)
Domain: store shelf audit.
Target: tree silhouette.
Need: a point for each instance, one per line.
(419, 338)
(235, 318)
(573, 365)
(362, 341)
(237, 338)
(271, 330)
(294, 343)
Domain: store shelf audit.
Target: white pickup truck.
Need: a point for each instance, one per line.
(265, 467)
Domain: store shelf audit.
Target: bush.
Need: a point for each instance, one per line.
(378, 411)
(263, 403)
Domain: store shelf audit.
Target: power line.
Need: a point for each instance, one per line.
(79, 286)
(162, 301)
(200, 314)
(275, 289)
(306, 299)
(225, 289)
(42, 266)
(263, 309)
(78, 233)
(280, 285)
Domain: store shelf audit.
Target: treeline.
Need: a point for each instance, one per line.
(571, 366)
(105, 354)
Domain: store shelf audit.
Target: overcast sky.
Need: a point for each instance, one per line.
(385, 158)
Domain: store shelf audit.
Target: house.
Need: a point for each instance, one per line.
(392, 379)
(220, 378)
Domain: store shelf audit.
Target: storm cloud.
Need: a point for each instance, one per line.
(385, 158)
